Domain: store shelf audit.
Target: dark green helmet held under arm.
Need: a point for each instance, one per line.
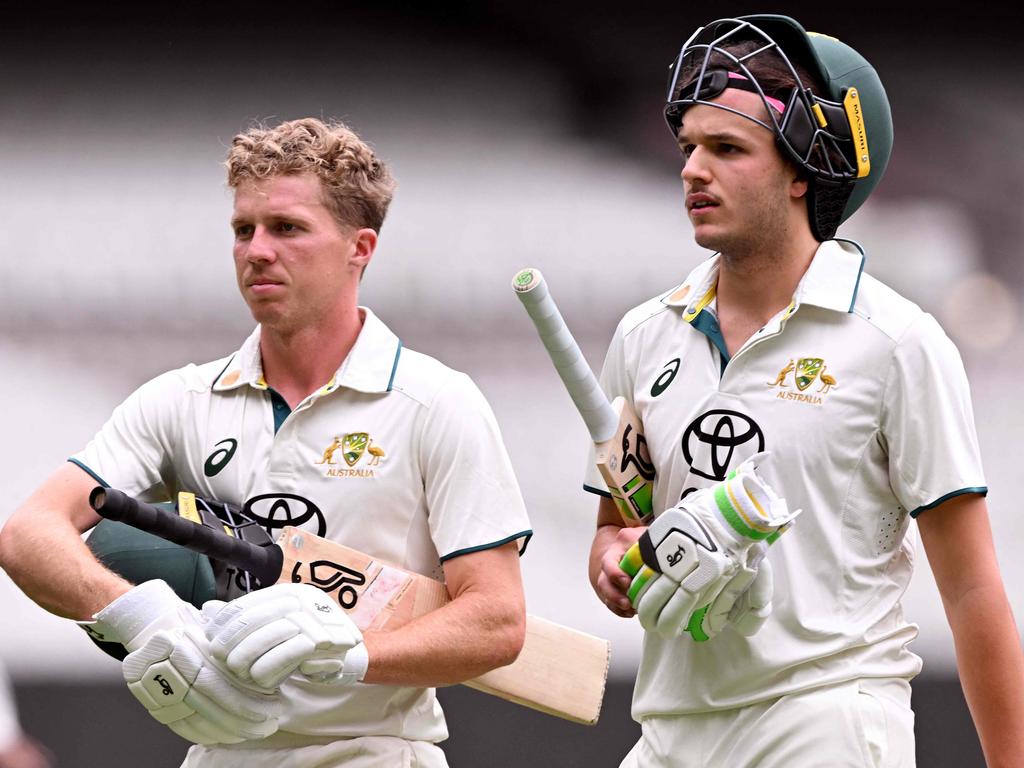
(825, 103)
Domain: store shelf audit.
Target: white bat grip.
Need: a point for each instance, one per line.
(579, 380)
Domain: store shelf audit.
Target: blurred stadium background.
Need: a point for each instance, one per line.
(520, 134)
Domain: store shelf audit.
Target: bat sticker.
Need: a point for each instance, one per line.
(328, 576)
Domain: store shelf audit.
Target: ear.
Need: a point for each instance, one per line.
(798, 187)
(365, 243)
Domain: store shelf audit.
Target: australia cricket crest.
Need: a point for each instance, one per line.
(353, 446)
(807, 370)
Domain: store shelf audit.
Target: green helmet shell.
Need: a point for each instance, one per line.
(138, 556)
(839, 67)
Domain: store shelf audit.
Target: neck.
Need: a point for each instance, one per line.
(298, 362)
(759, 283)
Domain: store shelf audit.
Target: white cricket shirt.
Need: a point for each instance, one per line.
(864, 404)
(10, 730)
(397, 456)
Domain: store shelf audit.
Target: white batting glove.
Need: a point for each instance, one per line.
(753, 607)
(174, 678)
(697, 560)
(133, 617)
(265, 636)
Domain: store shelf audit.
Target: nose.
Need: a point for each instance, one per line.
(696, 167)
(260, 247)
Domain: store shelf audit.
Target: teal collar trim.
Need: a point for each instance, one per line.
(707, 323)
(280, 407)
(394, 368)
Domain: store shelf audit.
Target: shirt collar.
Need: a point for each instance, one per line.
(369, 366)
(831, 281)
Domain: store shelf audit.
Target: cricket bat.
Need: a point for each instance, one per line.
(620, 447)
(560, 670)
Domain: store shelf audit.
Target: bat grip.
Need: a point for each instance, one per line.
(572, 367)
(264, 563)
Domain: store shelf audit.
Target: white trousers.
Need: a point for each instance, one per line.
(362, 752)
(865, 723)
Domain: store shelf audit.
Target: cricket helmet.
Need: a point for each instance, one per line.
(837, 130)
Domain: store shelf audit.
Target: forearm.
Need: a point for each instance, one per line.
(50, 563)
(469, 636)
(991, 667)
(958, 540)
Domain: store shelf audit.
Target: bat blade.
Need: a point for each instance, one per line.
(376, 595)
(620, 446)
(556, 672)
(382, 596)
(626, 467)
(560, 671)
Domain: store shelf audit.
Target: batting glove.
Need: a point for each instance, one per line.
(697, 560)
(137, 614)
(265, 636)
(175, 679)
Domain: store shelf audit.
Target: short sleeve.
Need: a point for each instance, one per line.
(473, 498)
(927, 421)
(132, 451)
(615, 382)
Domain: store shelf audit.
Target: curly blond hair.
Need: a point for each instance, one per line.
(357, 185)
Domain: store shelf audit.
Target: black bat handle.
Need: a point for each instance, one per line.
(264, 563)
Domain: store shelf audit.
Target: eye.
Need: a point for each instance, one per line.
(287, 226)
(728, 149)
(687, 150)
(242, 231)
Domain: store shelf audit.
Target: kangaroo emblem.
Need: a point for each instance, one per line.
(328, 457)
(780, 380)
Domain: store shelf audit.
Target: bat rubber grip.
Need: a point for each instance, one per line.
(579, 380)
(263, 562)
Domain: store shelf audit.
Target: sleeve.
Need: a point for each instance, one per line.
(927, 421)
(9, 728)
(615, 382)
(132, 451)
(472, 495)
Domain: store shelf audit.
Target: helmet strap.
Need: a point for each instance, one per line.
(826, 201)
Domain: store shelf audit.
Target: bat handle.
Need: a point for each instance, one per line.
(263, 562)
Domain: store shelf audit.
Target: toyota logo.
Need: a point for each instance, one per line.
(723, 432)
(272, 511)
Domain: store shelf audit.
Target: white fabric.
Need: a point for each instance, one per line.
(431, 479)
(10, 729)
(879, 430)
(265, 636)
(365, 752)
(857, 724)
